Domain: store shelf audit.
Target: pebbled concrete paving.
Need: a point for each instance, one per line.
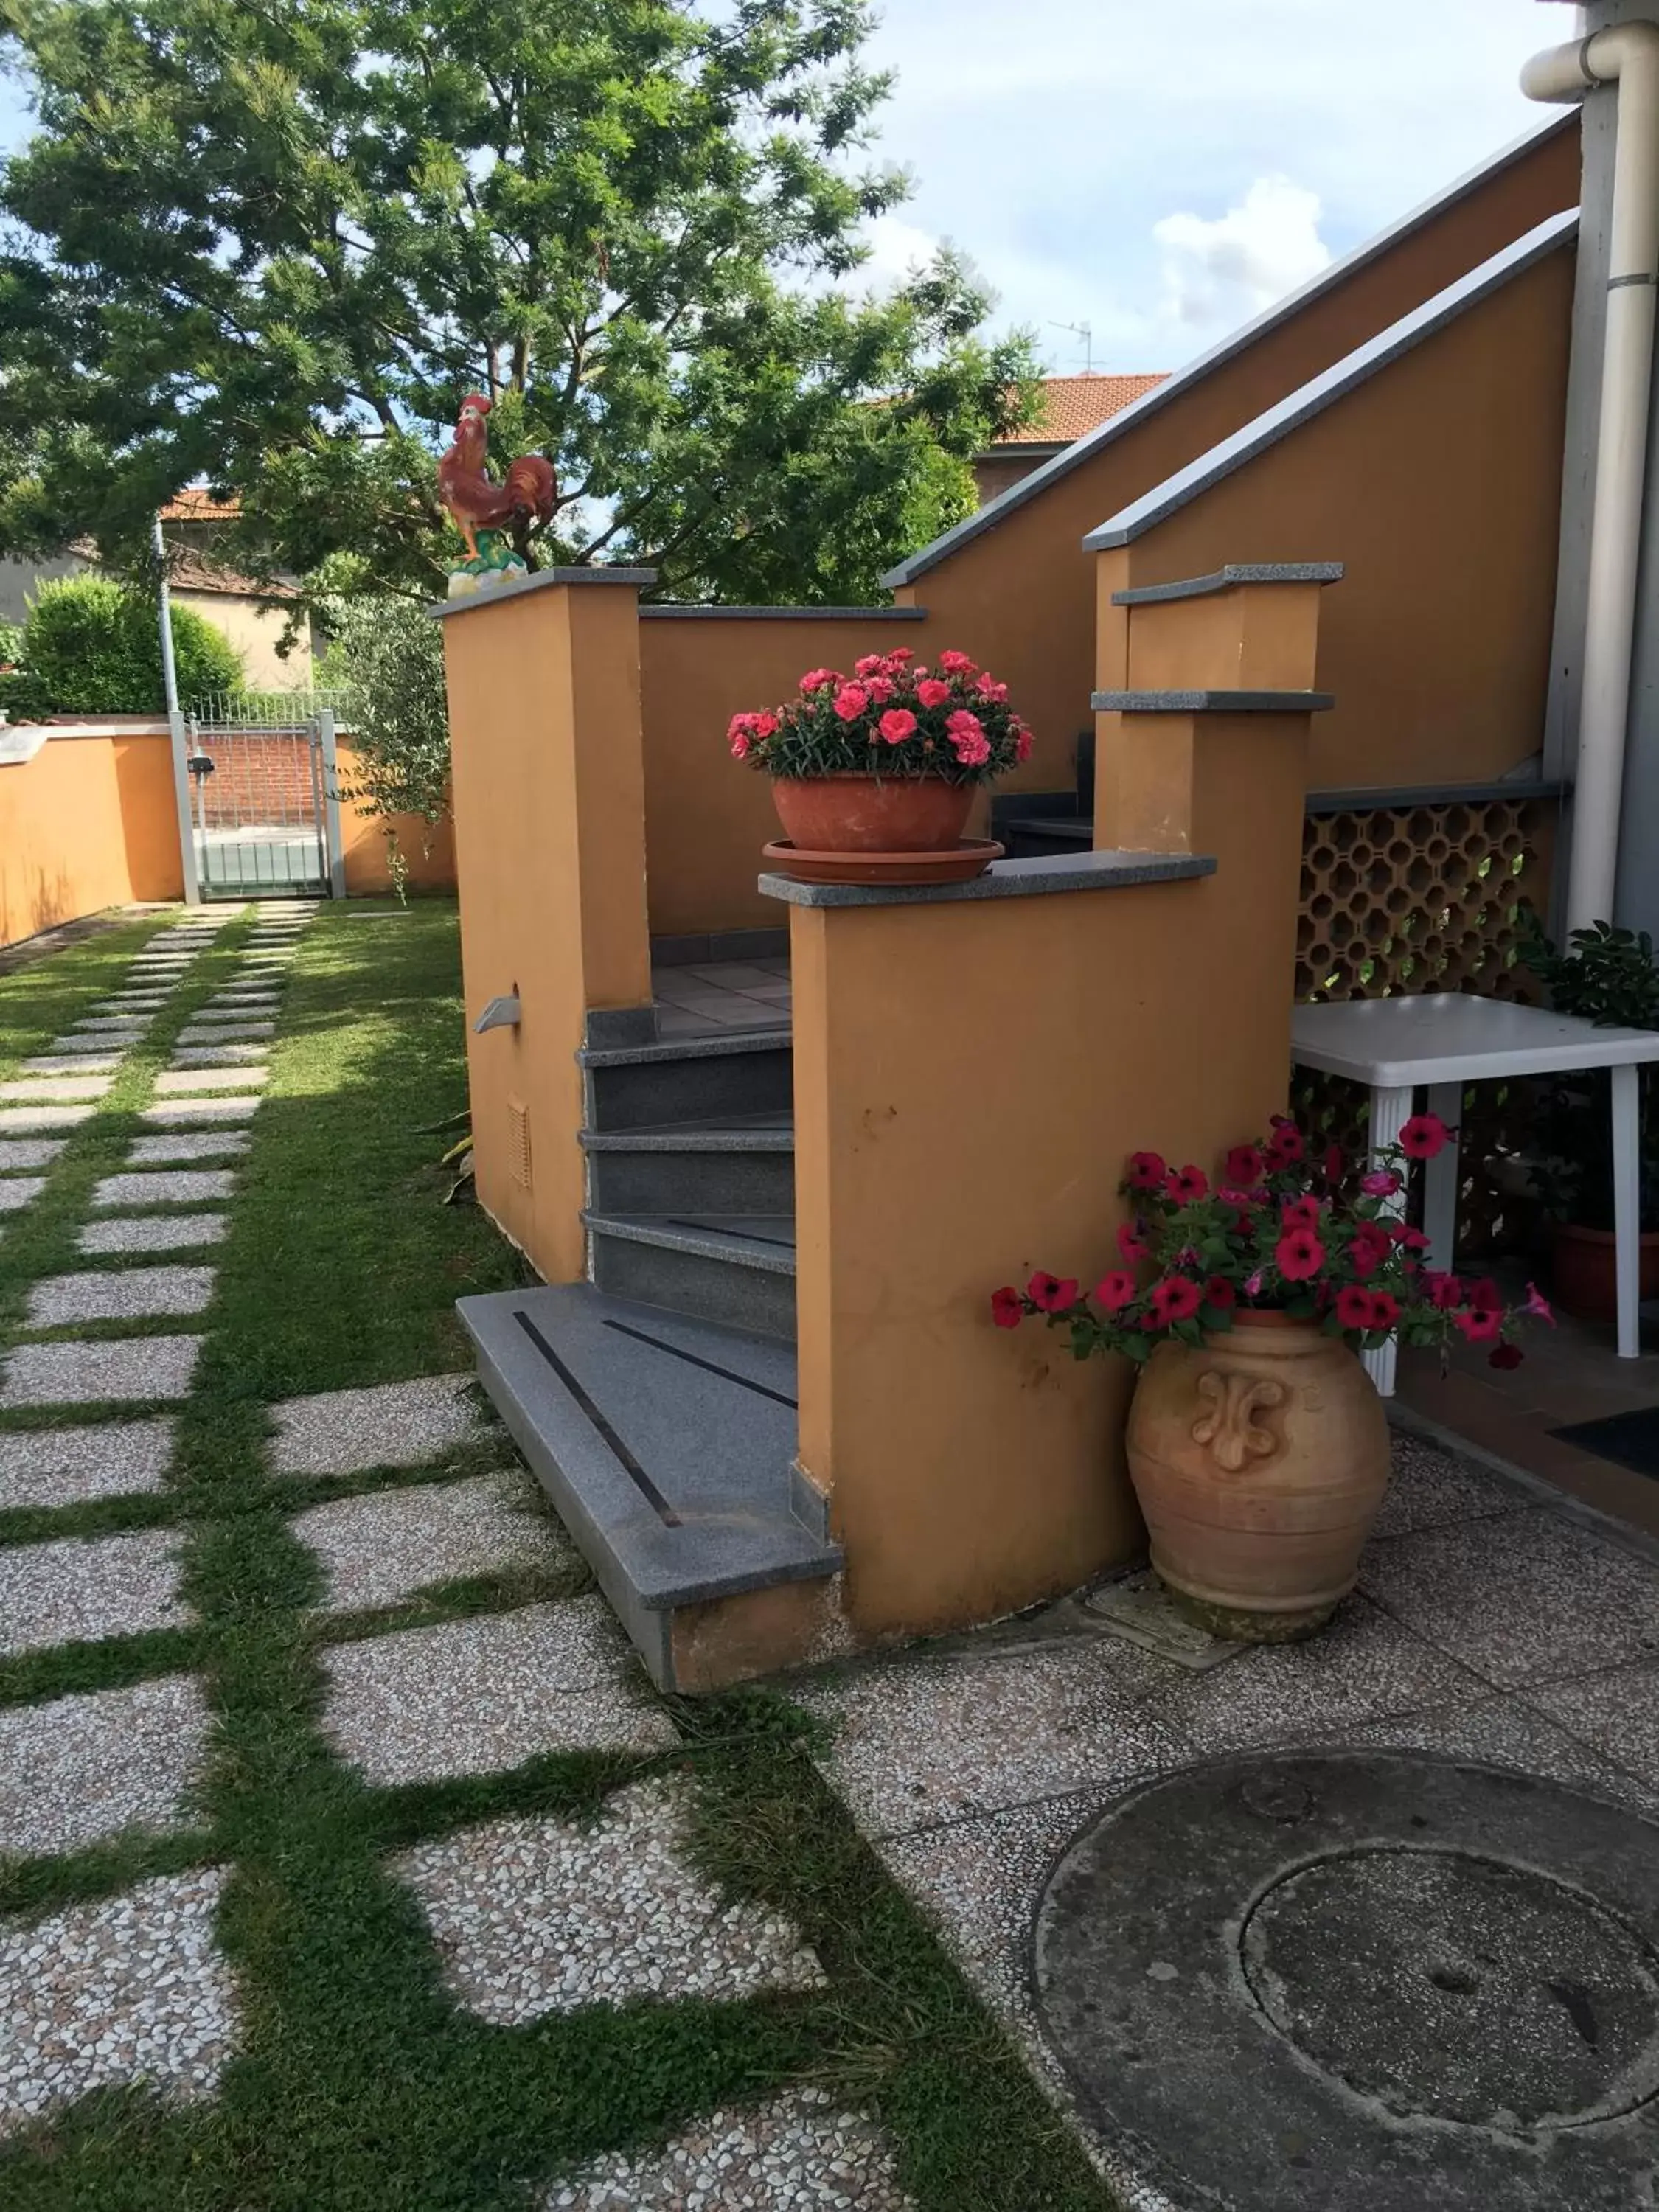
(80, 1588)
(387, 1425)
(128, 1294)
(383, 1546)
(152, 1232)
(188, 1187)
(90, 1374)
(77, 1770)
(71, 1466)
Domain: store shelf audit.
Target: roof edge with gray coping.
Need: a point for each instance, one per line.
(495, 593)
(667, 611)
(1038, 878)
(1211, 702)
(1128, 418)
(1235, 572)
(1346, 375)
(1363, 798)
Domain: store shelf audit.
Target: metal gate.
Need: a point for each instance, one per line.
(260, 784)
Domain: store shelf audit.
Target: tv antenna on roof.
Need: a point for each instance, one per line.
(1086, 331)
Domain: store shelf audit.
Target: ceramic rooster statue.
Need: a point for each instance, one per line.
(476, 503)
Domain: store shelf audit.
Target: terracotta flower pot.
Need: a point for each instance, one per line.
(1583, 1273)
(1260, 1463)
(846, 812)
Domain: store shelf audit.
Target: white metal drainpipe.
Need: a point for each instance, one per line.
(1627, 55)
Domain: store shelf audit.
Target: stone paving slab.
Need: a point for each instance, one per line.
(472, 1696)
(186, 1145)
(801, 2153)
(236, 1002)
(18, 1152)
(90, 1374)
(18, 1191)
(387, 1425)
(20, 1120)
(49, 1090)
(195, 1113)
(152, 1232)
(127, 1004)
(189, 1187)
(130, 1990)
(1616, 1711)
(81, 1768)
(534, 1916)
(82, 1588)
(220, 1032)
(1428, 1488)
(104, 1031)
(1522, 1597)
(381, 1547)
(97, 1059)
(69, 1467)
(128, 1294)
(219, 1055)
(176, 1081)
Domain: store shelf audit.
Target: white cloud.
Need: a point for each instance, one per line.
(1231, 267)
(897, 250)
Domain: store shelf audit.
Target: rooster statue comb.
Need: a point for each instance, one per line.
(474, 501)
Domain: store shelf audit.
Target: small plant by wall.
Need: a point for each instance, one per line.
(386, 657)
(91, 646)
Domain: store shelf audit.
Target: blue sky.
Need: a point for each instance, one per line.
(1162, 173)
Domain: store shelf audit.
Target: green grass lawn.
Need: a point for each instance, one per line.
(362, 2086)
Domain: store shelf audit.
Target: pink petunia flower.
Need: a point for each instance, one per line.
(1052, 1293)
(1298, 1255)
(1132, 1244)
(1380, 1182)
(1423, 1137)
(1006, 1310)
(1538, 1305)
(1114, 1291)
(1177, 1298)
(1146, 1171)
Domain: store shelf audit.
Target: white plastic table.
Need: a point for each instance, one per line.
(1445, 1039)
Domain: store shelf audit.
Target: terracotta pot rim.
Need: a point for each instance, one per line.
(1270, 1317)
(869, 775)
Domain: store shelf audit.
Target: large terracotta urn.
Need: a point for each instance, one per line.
(846, 812)
(1260, 1460)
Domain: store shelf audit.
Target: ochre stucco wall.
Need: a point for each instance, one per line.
(1437, 485)
(706, 815)
(429, 847)
(1020, 596)
(255, 628)
(87, 822)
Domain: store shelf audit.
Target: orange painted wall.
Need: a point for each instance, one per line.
(87, 822)
(1021, 597)
(429, 847)
(1437, 484)
(707, 816)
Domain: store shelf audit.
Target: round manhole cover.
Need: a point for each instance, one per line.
(1380, 1981)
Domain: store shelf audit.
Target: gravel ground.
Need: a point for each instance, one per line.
(800, 2153)
(381, 1547)
(85, 1767)
(391, 1424)
(485, 1693)
(132, 1989)
(183, 1144)
(83, 1588)
(67, 1467)
(153, 1232)
(82, 1374)
(204, 1187)
(537, 1915)
(133, 1293)
(18, 1191)
(179, 1081)
(17, 1152)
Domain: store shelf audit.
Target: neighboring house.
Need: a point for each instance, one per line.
(1072, 407)
(253, 616)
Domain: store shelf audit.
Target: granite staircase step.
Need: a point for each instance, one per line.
(737, 1164)
(735, 1268)
(665, 1443)
(644, 1086)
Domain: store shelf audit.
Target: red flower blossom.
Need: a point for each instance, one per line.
(1186, 1185)
(931, 692)
(1240, 1200)
(1300, 1213)
(1285, 1146)
(1381, 1183)
(1298, 1255)
(1369, 1247)
(1219, 1293)
(1485, 1296)
(954, 663)
(1445, 1291)
(1409, 1239)
(1006, 1310)
(1052, 1293)
(1177, 1298)
(1245, 1165)
(818, 679)
(850, 701)
(1132, 1244)
(897, 725)
(1114, 1291)
(1385, 1310)
(1146, 1171)
(1538, 1305)
(1505, 1355)
(1424, 1136)
(1479, 1324)
(1353, 1307)
(1334, 1163)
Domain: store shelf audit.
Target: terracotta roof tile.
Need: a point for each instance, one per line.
(196, 504)
(1073, 405)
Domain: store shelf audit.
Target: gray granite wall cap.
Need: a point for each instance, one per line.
(493, 594)
(670, 610)
(1211, 702)
(1223, 580)
(1040, 876)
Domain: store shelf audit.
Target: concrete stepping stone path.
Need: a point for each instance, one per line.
(485, 1693)
(387, 1424)
(18, 1121)
(56, 1089)
(381, 1547)
(186, 1113)
(84, 1588)
(78, 1769)
(97, 1059)
(207, 1145)
(220, 1056)
(533, 1916)
(130, 1991)
(71, 1466)
(187, 1187)
(127, 1294)
(221, 1031)
(20, 1152)
(132, 1368)
(18, 1191)
(179, 1082)
(152, 1232)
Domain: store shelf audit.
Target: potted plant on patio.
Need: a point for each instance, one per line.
(1609, 976)
(882, 765)
(1257, 1444)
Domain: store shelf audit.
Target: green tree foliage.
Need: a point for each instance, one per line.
(273, 246)
(386, 656)
(91, 646)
